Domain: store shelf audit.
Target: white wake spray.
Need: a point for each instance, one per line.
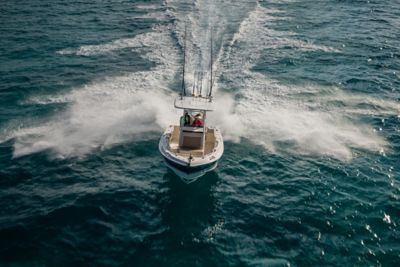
(280, 117)
(110, 111)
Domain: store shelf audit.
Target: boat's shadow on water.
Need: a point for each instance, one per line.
(186, 212)
(189, 207)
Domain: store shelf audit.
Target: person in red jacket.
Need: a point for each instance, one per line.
(198, 122)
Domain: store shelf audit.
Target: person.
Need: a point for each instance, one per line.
(185, 119)
(198, 122)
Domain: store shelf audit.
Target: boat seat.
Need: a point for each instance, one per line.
(192, 129)
(173, 146)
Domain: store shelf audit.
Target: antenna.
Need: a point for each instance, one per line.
(184, 63)
(211, 64)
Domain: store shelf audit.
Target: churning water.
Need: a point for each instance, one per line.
(308, 102)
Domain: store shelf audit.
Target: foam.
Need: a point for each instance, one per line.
(157, 16)
(260, 37)
(328, 98)
(147, 6)
(144, 40)
(110, 111)
(286, 118)
(98, 121)
(205, 16)
(297, 119)
(90, 50)
(304, 131)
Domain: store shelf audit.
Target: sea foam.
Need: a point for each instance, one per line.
(109, 111)
(280, 117)
(271, 115)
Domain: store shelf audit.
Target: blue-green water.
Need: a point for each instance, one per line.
(308, 102)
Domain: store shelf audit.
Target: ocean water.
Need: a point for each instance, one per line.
(308, 102)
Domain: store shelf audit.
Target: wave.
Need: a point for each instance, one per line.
(273, 115)
(143, 40)
(110, 111)
(282, 118)
(91, 50)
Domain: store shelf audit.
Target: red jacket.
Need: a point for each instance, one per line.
(198, 123)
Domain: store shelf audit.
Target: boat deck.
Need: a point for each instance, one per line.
(208, 148)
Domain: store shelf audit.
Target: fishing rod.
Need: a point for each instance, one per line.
(211, 64)
(184, 64)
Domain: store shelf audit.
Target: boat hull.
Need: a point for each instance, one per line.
(187, 163)
(188, 168)
(190, 175)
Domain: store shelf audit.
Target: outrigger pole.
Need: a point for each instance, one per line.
(211, 64)
(184, 63)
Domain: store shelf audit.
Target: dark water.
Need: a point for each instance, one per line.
(308, 102)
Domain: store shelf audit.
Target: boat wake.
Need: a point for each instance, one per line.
(284, 118)
(293, 118)
(109, 111)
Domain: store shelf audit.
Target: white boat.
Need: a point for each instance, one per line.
(192, 146)
(191, 176)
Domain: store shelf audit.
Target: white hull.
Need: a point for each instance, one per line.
(187, 159)
(191, 176)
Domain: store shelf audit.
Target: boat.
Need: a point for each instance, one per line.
(191, 176)
(192, 147)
